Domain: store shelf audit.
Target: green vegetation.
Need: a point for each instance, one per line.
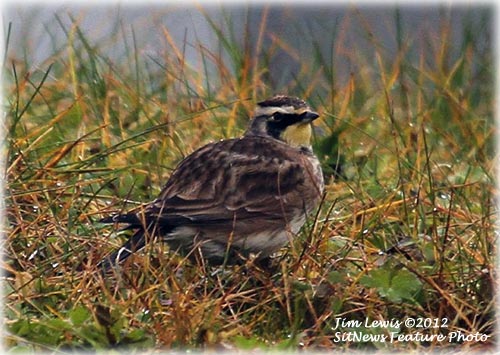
(406, 229)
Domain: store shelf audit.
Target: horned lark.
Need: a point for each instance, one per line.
(237, 197)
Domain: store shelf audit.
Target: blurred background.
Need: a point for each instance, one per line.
(296, 33)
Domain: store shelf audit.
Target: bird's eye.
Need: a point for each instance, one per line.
(277, 117)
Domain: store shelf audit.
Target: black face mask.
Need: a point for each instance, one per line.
(282, 120)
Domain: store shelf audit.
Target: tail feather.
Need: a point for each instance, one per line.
(136, 242)
(146, 228)
(129, 218)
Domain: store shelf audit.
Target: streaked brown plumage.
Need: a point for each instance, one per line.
(236, 197)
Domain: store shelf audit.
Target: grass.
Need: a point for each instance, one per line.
(406, 229)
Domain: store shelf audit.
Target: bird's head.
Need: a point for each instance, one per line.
(285, 118)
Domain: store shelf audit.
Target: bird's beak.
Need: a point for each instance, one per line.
(309, 116)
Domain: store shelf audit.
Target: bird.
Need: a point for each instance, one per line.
(238, 198)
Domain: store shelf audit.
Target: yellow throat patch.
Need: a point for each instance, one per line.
(298, 135)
